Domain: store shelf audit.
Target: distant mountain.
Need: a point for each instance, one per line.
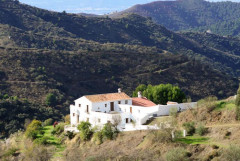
(220, 17)
(89, 15)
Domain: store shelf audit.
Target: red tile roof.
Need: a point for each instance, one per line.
(108, 97)
(142, 102)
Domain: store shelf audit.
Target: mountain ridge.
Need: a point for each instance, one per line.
(191, 15)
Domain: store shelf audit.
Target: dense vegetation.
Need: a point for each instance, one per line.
(161, 94)
(15, 114)
(197, 15)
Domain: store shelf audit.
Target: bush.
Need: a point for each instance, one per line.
(10, 152)
(201, 130)
(178, 134)
(98, 138)
(51, 99)
(232, 153)
(173, 112)
(237, 113)
(59, 129)
(237, 102)
(85, 130)
(48, 122)
(42, 140)
(107, 131)
(178, 154)
(189, 127)
(67, 119)
(210, 103)
(33, 129)
(163, 136)
(70, 135)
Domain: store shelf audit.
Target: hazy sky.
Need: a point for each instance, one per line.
(88, 6)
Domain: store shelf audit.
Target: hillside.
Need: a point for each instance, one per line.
(215, 137)
(60, 31)
(199, 15)
(68, 55)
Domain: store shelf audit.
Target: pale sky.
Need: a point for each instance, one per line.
(88, 6)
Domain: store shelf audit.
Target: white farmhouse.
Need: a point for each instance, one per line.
(119, 108)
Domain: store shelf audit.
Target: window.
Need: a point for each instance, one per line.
(73, 114)
(126, 101)
(99, 120)
(87, 109)
(105, 105)
(119, 102)
(79, 105)
(126, 120)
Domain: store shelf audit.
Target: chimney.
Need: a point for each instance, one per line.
(139, 94)
(119, 90)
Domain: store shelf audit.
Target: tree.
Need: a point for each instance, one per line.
(141, 88)
(237, 102)
(33, 129)
(162, 93)
(85, 130)
(51, 99)
(107, 131)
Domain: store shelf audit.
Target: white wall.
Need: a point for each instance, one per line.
(100, 106)
(99, 114)
(80, 112)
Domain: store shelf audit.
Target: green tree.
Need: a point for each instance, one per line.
(141, 87)
(237, 102)
(162, 93)
(85, 130)
(107, 131)
(33, 129)
(51, 99)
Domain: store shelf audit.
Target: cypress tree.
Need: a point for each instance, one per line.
(238, 97)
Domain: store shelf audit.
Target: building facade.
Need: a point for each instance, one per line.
(119, 109)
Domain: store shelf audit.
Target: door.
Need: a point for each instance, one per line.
(130, 109)
(126, 120)
(112, 106)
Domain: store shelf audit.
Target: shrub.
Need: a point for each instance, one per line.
(173, 112)
(10, 152)
(69, 134)
(232, 153)
(177, 154)
(178, 134)
(98, 138)
(59, 129)
(210, 103)
(237, 113)
(163, 136)
(107, 131)
(85, 130)
(201, 130)
(48, 122)
(67, 119)
(33, 129)
(51, 99)
(237, 102)
(42, 140)
(189, 127)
